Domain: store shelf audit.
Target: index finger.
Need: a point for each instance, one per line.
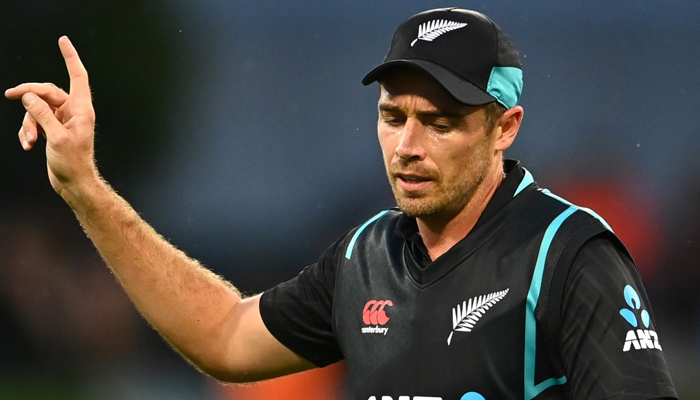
(51, 93)
(79, 85)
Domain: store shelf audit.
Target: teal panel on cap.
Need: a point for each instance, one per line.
(506, 85)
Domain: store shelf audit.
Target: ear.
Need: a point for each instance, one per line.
(508, 127)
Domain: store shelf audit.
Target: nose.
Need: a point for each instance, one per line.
(410, 145)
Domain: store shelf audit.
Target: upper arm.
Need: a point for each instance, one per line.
(252, 352)
(287, 329)
(600, 356)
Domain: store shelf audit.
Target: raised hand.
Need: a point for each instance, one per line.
(67, 120)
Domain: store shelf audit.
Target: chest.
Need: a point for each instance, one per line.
(462, 332)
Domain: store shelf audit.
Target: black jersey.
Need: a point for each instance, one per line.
(540, 300)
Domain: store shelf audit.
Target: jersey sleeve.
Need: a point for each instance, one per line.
(607, 338)
(299, 312)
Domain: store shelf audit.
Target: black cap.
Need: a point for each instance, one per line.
(463, 50)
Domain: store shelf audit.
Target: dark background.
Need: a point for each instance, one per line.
(241, 132)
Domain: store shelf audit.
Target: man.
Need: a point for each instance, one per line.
(480, 286)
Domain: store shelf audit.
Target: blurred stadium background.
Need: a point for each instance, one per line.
(240, 130)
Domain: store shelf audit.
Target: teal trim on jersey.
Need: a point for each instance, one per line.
(532, 390)
(586, 210)
(506, 85)
(348, 252)
(527, 179)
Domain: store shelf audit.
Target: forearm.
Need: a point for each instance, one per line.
(185, 302)
(200, 314)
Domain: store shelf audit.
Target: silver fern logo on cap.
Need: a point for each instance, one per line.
(431, 30)
(465, 317)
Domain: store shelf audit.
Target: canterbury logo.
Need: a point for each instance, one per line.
(464, 318)
(431, 30)
(374, 314)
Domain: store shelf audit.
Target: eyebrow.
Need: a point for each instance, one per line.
(391, 108)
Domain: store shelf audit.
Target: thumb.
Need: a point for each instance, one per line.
(41, 112)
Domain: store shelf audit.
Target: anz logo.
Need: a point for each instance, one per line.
(466, 396)
(405, 398)
(638, 339)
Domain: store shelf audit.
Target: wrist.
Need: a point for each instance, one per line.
(84, 193)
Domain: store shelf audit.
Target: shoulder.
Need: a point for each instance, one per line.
(573, 219)
(381, 225)
(603, 259)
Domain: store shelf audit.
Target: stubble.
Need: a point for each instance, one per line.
(453, 190)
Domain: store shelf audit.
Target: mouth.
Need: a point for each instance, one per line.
(411, 178)
(412, 182)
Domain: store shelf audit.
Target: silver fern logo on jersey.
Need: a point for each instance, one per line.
(431, 30)
(464, 317)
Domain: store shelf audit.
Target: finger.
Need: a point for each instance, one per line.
(29, 132)
(51, 93)
(79, 84)
(41, 113)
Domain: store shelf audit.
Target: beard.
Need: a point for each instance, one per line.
(446, 202)
(450, 194)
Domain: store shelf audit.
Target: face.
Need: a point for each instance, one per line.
(437, 151)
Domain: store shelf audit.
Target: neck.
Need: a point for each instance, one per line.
(440, 233)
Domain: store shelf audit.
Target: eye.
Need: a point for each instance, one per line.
(442, 128)
(393, 120)
(441, 125)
